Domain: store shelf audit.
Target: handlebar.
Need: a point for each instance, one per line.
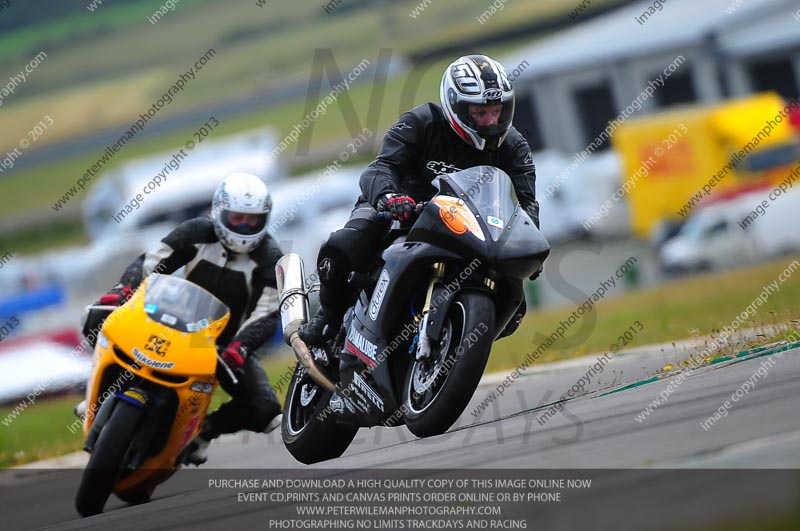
(102, 307)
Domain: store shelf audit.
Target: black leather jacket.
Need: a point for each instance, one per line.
(422, 145)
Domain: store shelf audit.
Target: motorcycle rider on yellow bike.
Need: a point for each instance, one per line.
(232, 256)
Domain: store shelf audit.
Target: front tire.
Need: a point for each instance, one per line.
(307, 437)
(107, 459)
(137, 497)
(438, 389)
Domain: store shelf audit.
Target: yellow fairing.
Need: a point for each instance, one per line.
(135, 345)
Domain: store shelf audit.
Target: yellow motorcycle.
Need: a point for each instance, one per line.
(154, 372)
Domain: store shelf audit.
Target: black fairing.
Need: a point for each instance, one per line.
(405, 264)
(517, 250)
(510, 251)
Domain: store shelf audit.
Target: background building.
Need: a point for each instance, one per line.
(581, 78)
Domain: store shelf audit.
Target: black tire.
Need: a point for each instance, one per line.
(137, 497)
(434, 397)
(107, 459)
(309, 439)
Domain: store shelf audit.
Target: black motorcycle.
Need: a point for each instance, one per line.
(413, 347)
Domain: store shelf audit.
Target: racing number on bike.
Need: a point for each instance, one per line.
(157, 345)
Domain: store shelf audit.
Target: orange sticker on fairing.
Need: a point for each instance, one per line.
(457, 216)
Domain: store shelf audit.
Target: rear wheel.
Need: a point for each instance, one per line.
(310, 431)
(107, 459)
(439, 387)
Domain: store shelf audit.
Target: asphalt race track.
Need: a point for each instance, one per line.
(665, 472)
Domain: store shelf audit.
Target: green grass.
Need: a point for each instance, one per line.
(258, 50)
(105, 20)
(40, 430)
(52, 180)
(50, 237)
(110, 88)
(685, 308)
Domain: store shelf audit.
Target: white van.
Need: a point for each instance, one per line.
(185, 192)
(744, 230)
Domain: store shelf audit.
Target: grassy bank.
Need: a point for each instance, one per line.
(690, 307)
(85, 87)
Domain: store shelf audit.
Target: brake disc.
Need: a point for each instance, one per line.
(307, 393)
(423, 379)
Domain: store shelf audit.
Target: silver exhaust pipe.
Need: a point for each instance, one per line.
(290, 277)
(294, 313)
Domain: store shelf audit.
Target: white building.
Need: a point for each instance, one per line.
(579, 79)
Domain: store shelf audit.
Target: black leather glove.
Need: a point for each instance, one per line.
(401, 206)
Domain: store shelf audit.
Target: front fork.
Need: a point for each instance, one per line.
(424, 342)
(99, 421)
(143, 399)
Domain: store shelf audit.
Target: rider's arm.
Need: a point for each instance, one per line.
(177, 249)
(399, 151)
(522, 171)
(262, 310)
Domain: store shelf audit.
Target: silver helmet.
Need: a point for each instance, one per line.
(240, 210)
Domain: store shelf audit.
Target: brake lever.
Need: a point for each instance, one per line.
(231, 375)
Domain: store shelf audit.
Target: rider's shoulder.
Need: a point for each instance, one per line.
(422, 115)
(514, 140)
(191, 231)
(267, 253)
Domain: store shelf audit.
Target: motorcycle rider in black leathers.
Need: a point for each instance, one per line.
(471, 127)
(232, 256)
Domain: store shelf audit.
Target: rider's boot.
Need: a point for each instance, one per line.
(80, 409)
(198, 448)
(321, 328)
(274, 423)
(326, 322)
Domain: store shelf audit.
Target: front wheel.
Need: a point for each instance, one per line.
(310, 431)
(439, 387)
(108, 458)
(137, 497)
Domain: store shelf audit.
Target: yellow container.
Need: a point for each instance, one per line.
(679, 159)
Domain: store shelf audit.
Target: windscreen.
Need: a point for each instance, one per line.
(491, 192)
(180, 304)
